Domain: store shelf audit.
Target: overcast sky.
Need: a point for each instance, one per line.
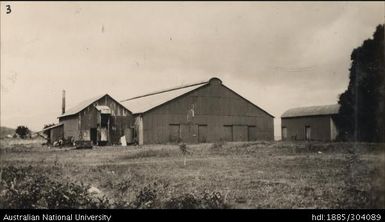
(278, 55)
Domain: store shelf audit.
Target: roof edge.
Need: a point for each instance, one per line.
(300, 109)
(165, 90)
(73, 114)
(292, 117)
(204, 85)
(51, 127)
(186, 93)
(64, 114)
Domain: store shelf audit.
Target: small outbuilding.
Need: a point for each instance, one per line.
(54, 133)
(101, 120)
(310, 123)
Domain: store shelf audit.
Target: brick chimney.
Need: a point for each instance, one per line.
(63, 104)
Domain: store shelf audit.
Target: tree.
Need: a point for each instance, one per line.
(361, 116)
(22, 131)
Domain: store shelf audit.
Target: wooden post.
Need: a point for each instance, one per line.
(184, 161)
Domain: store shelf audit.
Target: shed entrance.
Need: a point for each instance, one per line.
(94, 135)
(239, 133)
(174, 132)
(284, 133)
(228, 133)
(252, 133)
(307, 132)
(187, 133)
(202, 133)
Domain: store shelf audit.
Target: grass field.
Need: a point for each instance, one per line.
(246, 175)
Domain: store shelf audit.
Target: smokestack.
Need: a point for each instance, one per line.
(63, 104)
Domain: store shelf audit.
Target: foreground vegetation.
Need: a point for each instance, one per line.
(231, 175)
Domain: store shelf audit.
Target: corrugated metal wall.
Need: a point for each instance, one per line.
(71, 128)
(56, 134)
(215, 107)
(320, 127)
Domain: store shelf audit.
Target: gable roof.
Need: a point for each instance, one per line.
(147, 102)
(51, 127)
(312, 111)
(84, 104)
(144, 103)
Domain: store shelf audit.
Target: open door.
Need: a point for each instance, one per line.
(104, 128)
(94, 136)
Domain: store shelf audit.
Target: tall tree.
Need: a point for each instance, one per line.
(361, 116)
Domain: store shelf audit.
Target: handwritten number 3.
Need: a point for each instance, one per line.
(8, 9)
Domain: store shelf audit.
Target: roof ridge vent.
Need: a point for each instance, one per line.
(215, 81)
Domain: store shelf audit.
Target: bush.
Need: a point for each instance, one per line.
(28, 188)
(205, 200)
(218, 145)
(183, 148)
(185, 201)
(149, 196)
(160, 195)
(23, 188)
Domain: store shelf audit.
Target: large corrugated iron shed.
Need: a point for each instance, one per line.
(147, 102)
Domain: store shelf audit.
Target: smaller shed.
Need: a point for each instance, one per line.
(54, 133)
(101, 120)
(310, 123)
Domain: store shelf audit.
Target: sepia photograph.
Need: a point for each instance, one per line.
(192, 105)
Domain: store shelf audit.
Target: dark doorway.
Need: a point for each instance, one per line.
(174, 130)
(94, 135)
(252, 133)
(202, 133)
(104, 120)
(284, 133)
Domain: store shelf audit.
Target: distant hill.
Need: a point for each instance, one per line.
(4, 131)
